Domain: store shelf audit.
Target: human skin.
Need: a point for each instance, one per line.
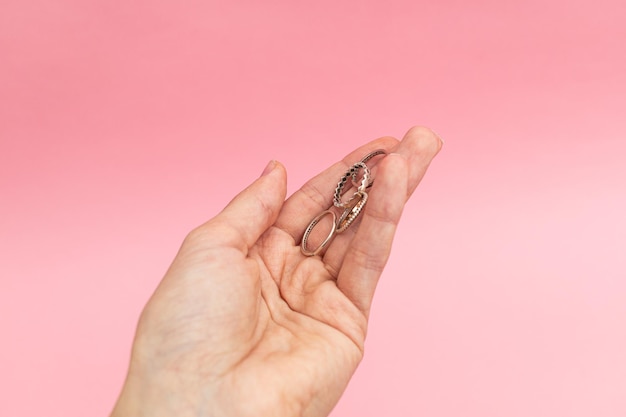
(243, 324)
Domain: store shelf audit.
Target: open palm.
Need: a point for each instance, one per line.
(243, 324)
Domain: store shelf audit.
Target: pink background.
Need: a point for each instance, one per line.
(125, 124)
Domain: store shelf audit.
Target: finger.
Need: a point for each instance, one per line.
(317, 194)
(419, 146)
(369, 250)
(249, 214)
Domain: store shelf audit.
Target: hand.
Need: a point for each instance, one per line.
(243, 324)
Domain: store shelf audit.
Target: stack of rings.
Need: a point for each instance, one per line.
(352, 207)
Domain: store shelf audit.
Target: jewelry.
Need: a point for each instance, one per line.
(307, 232)
(365, 159)
(351, 173)
(352, 208)
(372, 154)
(352, 211)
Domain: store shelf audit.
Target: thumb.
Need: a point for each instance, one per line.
(251, 212)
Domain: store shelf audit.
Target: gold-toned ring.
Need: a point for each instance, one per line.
(352, 210)
(307, 232)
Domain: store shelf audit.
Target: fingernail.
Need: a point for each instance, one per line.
(439, 136)
(394, 154)
(269, 168)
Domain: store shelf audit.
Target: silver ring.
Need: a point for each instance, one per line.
(307, 232)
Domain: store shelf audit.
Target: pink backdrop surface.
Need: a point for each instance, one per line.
(125, 124)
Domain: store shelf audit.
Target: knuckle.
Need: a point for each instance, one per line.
(367, 261)
(311, 190)
(202, 234)
(194, 235)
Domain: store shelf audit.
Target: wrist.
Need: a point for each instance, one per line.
(160, 394)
